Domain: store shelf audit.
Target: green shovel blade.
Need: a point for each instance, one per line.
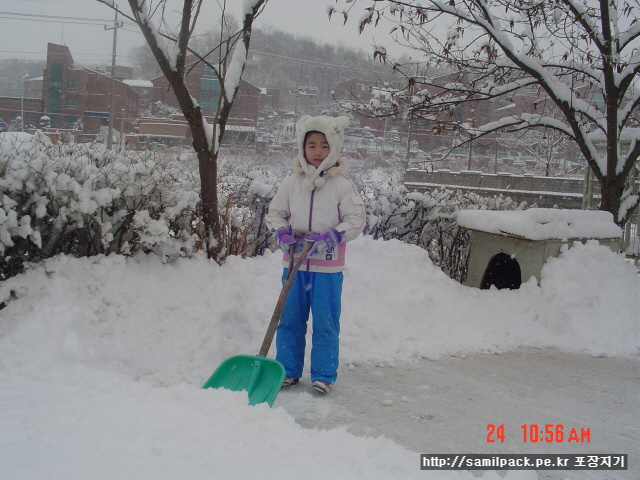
(258, 375)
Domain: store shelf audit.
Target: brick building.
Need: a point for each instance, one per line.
(204, 86)
(145, 92)
(269, 99)
(80, 97)
(12, 107)
(165, 131)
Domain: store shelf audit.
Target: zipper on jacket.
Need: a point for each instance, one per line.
(310, 222)
(313, 192)
(311, 209)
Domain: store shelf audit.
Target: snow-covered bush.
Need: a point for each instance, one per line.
(87, 200)
(246, 193)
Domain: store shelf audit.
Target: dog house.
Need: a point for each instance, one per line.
(510, 247)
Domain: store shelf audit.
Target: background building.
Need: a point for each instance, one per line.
(79, 99)
(204, 85)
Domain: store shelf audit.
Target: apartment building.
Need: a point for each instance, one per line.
(79, 98)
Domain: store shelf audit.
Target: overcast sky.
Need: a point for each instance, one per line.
(27, 26)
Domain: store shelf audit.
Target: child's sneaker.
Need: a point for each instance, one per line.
(288, 381)
(320, 386)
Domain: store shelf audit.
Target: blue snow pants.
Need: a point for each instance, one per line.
(321, 294)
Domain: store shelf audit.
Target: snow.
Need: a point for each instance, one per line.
(103, 359)
(234, 72)
(249, 6)
(542, 223)
(138, 83)
(143, 15)
(210, 132)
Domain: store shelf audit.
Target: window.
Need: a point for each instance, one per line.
(209, 92)
(71, 103)
(73, 86)
(70, 121)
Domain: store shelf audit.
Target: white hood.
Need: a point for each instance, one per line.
(333, 130)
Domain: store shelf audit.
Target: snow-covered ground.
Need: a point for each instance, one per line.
(102, 360)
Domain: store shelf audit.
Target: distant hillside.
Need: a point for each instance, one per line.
(284, 61)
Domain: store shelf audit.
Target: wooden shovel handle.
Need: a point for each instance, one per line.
(282, 299)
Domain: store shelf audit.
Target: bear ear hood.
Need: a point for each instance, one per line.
(333, 130)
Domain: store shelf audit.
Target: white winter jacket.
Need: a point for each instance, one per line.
(334, 205)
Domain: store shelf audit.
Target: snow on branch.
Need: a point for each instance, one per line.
(234, 70)
(579, 58)
(143, 16)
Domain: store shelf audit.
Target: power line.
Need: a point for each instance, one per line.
(83, 21)
(316, 63)
(60, 1)
(43, 52)
(49, 21)
(33, 17)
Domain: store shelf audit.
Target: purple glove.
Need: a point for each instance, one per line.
(284, 239)
(323, 242)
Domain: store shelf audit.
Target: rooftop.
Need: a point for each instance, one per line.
(542, 223)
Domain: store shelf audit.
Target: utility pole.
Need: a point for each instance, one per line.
(471, 137)
(409, 140)
(24, 78)
(122, 132)
(115, 27)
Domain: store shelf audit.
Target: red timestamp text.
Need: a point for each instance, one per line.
(549, 433)
(554, 433)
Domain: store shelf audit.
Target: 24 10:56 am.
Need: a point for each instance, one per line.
(550, 433)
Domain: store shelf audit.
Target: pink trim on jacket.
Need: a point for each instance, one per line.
(322, 265)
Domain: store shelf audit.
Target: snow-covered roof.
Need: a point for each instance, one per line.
(239, 128)
(542, 223)
(138, 83)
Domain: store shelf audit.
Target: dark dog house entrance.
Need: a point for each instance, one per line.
(503, 271)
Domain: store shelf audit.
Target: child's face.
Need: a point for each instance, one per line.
(316, 148)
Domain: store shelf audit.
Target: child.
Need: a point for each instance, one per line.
(315, 204)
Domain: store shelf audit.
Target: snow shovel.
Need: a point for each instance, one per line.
(259, 376)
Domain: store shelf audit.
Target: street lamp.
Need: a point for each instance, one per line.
(24, 78)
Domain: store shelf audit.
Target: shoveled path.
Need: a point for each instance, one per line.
(445, 406)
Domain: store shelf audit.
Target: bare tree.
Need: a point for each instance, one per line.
(145, 65)
(582, 56)
(545, 146)
(171, 51)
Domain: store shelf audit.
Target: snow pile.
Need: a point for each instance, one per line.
(400, 306)
(103, 357)
(589, 295)
(542, 223)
